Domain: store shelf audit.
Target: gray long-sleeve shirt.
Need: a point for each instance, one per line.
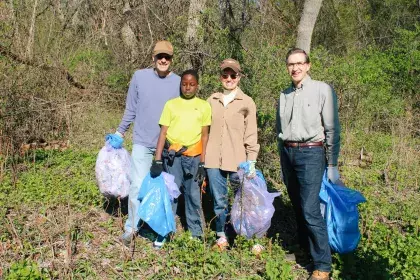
(310, 114)
(147, 94)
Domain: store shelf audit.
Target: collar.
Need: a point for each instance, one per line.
(239, 94)
(157, 75)
(185, 99)
(305, 82)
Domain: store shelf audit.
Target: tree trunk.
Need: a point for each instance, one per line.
(223, 13)
(127, 34)
(307, 23)
(31, 35)
(193, 39)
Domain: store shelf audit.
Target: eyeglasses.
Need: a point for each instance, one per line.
(160, 56)
(297, 64)
(232, 76)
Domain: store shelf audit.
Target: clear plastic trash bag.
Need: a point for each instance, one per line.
(112, 171)
(155, 203)
(339, 208)
(252, 208)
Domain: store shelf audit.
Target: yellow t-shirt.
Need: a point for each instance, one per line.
(184, 119)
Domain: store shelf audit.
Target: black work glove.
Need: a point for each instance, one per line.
(201, 174)
(156, 168)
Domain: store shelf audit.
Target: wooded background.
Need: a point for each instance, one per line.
(65, 67)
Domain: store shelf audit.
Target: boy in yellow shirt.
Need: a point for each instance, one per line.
(182, 142)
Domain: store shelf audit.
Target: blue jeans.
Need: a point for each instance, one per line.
(219, 190)
(303, 168)
(141, 160)
(184, 169)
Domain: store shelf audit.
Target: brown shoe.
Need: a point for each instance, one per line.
(320, 275)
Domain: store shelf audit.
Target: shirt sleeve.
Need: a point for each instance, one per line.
(165, 118)
(331, 124)
(278, 126)
(130, 106)
(206, 120)
(251, 135)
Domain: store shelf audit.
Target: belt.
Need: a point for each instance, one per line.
(191, 151)
(303, 144)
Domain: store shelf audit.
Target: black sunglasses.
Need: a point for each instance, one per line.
(160, 56)
(232, 76)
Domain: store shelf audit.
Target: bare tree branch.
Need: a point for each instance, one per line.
(31, 35)
(69, 77)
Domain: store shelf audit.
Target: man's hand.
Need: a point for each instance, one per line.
(156, 168)
(201, 173)
(115, 140)
(333, 174)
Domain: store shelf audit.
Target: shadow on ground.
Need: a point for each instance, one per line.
(367, 265)
(356, 265)
(115, 207)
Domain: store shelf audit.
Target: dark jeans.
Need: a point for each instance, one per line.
(303, 168)
(184, 169)
(219, 190)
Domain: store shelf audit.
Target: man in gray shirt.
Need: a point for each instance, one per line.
(147, 94)
(308, 131)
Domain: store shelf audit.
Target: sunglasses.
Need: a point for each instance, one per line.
(163, 55)
(232, 76)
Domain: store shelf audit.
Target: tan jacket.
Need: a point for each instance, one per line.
(233, 132)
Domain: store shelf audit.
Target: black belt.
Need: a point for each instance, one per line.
(303, 144)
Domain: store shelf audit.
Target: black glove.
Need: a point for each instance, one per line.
(156, 168)
(201, 173)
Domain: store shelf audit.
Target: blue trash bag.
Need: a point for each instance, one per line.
(339, 208)
(155, 207)
(252, 208)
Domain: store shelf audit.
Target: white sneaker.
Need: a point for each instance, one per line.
(158, 243)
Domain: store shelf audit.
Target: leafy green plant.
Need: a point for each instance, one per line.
(27, 270)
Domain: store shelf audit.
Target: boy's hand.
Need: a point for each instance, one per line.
(201, 173)
(156, 168)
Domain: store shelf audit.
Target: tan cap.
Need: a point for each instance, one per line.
(163, 47)
(232, 64)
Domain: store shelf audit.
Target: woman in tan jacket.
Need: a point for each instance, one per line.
(232, 140)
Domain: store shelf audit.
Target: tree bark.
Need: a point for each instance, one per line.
(307, 23)
(31, 35)
(127, 34)
(193, 39)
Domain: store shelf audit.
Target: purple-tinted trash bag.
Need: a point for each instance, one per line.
(112, 171)
(171, 186)
(252, 208)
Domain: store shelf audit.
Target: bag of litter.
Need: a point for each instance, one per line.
(252, 208)
(112, 171)
(155, 207)
(339, 207)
